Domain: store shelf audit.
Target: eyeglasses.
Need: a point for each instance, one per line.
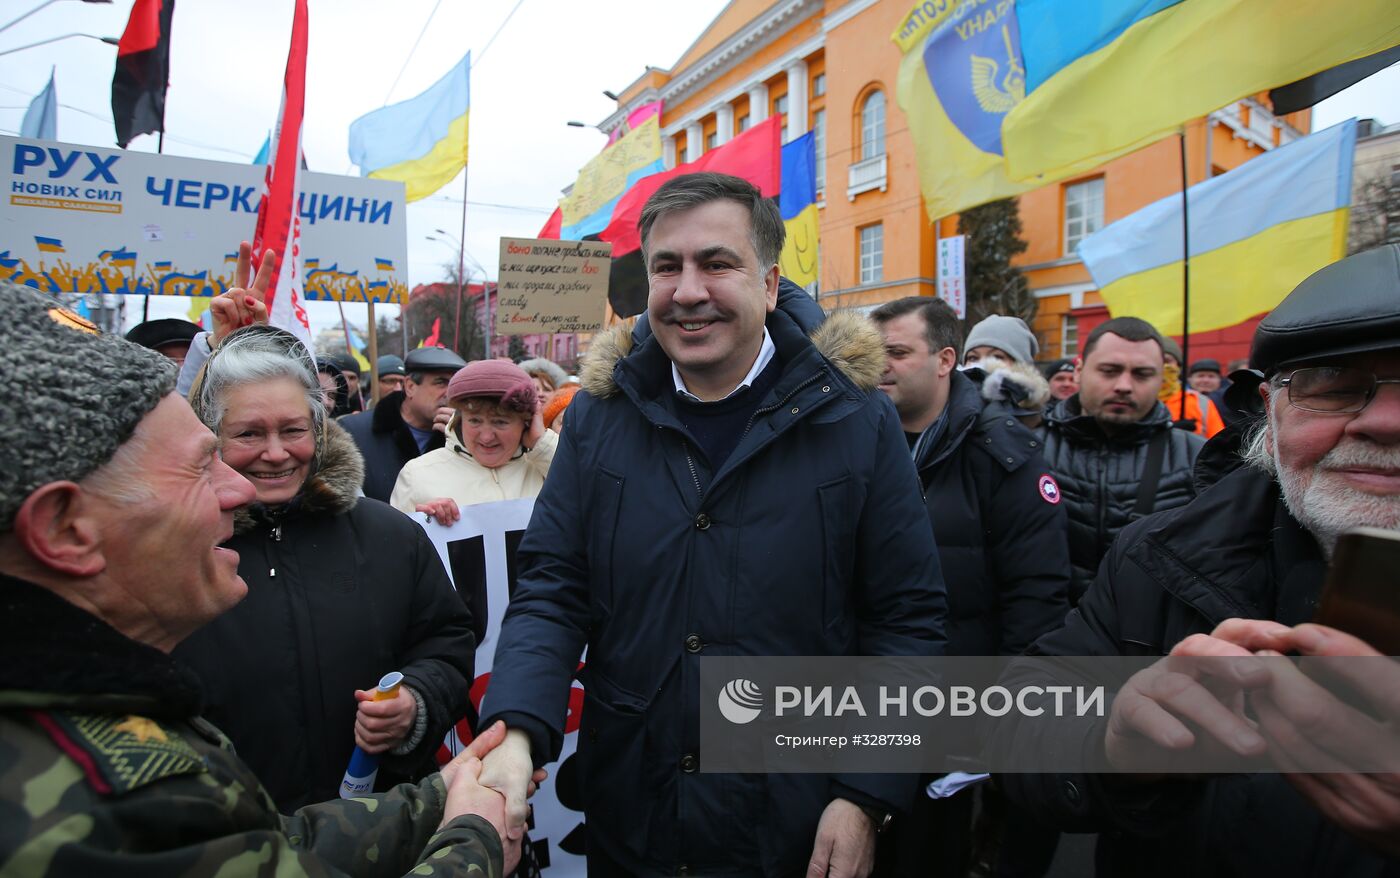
(1333, 389)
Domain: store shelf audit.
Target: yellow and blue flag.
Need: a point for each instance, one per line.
(124, 258)
(1256, 232)
(48, 245)
(797, 202)
(382, 264)
(421, 141)
(1103, 77)
(961, 74)
(588, 208)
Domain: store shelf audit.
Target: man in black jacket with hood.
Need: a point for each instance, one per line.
(1237, 572)
(406, 423)
(998, 524)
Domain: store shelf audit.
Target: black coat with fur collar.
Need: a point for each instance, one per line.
(341, 590)
(809, 539)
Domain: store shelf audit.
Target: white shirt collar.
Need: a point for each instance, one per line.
(765, 356)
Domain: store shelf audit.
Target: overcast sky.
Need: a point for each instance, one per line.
(549, 64)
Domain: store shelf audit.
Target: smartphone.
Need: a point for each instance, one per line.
(1362, 594)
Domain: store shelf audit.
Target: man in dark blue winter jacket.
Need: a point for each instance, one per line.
(727, 486)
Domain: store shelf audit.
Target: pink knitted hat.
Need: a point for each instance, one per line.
(495, 378)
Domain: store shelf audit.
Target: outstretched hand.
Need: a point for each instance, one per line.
(243, 304)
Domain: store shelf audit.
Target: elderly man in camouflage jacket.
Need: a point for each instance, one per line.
(113, 503)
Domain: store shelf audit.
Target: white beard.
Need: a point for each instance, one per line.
(1326, 505)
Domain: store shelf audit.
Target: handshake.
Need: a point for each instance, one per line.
(1245, 700)
(474, 790)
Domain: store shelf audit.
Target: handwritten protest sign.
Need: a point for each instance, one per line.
(552, 286)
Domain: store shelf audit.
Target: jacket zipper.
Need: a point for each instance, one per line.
(276, 538)
(690, 461)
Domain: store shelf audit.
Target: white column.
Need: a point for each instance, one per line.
(694, 141)
(797, 99)
(668, 151)
(724, 123)
(758, 104)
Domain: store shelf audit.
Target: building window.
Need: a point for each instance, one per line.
(872, 254)
(819, 85)
(780, 108)
(819, 150)
(1083, 212)
(711, 140)
(872, 126)
(743, 123)
(1069, 336)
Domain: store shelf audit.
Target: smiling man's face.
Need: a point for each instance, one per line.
(709, 296)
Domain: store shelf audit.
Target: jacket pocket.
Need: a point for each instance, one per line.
(612, 755)
(607, 506)
(838, 517)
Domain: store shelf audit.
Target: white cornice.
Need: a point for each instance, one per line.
(797, 54)
(845, 14)
(776, 21)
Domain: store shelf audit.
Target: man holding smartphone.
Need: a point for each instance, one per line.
(1321, 459)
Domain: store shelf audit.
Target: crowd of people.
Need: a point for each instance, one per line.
(210, 550)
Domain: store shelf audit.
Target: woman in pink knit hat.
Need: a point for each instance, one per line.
(497, 445)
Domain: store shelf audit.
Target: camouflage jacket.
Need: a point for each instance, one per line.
(106, 768)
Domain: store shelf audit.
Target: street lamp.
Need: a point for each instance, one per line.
(111, 41)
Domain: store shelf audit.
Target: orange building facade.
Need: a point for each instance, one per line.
(829, 66)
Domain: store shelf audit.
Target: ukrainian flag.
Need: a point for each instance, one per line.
(1255, 233)
(162, 266)
(383, 264)
(1103, 77)
(48, 245)
(961, 74)
(797, 202)
(230, 257)
(120, 257)
(311, 264)
(421, 141)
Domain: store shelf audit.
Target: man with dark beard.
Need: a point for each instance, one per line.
(1238, 572)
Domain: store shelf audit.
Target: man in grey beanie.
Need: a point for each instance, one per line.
(113, 506)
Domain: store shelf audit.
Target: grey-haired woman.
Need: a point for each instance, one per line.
(341, 590)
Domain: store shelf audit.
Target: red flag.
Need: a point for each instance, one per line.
(754, 155)
(143, 70)
(552, 225)
(279, 219)
(434, 338)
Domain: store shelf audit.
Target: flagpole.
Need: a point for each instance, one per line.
(1185, 279)
(462, 272)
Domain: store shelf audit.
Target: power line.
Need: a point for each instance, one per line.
(479, 55)
(409, 57)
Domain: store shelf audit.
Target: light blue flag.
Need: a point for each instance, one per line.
(261, 157)
(41, 119)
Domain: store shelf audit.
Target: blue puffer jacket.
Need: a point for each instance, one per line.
(811, 539)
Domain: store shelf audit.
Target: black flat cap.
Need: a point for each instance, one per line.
(1348, 307)
(433, 360)
(345, 363)
(1204, 366)
(154, 333)
(1064, 364)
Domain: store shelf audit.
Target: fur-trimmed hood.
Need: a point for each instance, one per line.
(332, 488)
(847, 339)
(1019, 385)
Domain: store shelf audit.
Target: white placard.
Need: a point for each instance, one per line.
(85, 219)
(489, 532)
(952, 280)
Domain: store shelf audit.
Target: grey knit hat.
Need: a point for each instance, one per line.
(1010, 334)
(81, 394)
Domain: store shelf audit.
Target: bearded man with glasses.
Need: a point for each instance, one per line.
(1238, 572)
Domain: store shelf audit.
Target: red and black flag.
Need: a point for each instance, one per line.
(143, 70)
